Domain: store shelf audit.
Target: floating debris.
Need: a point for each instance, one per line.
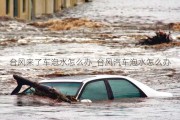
(161, 37)
(41, 90)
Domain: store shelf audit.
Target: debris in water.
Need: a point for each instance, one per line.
(161, 37)
(42, 90)
(67, 24)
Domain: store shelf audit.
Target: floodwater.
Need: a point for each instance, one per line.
(107, 50)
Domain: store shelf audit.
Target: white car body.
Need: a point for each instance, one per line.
(149, 92)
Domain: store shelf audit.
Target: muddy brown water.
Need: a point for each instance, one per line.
(115, 45)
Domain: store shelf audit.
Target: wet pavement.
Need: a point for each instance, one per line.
(112, 49)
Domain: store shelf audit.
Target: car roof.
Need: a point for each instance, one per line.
(81, 78)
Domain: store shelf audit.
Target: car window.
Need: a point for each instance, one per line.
(95, 91)
(122, 88)
(67, 88)
(29, 91)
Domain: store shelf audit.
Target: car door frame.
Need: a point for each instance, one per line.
(142, 94)
(108, 87)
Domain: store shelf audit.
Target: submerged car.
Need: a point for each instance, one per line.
(100, 87)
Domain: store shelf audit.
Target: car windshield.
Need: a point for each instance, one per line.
(67, 88)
